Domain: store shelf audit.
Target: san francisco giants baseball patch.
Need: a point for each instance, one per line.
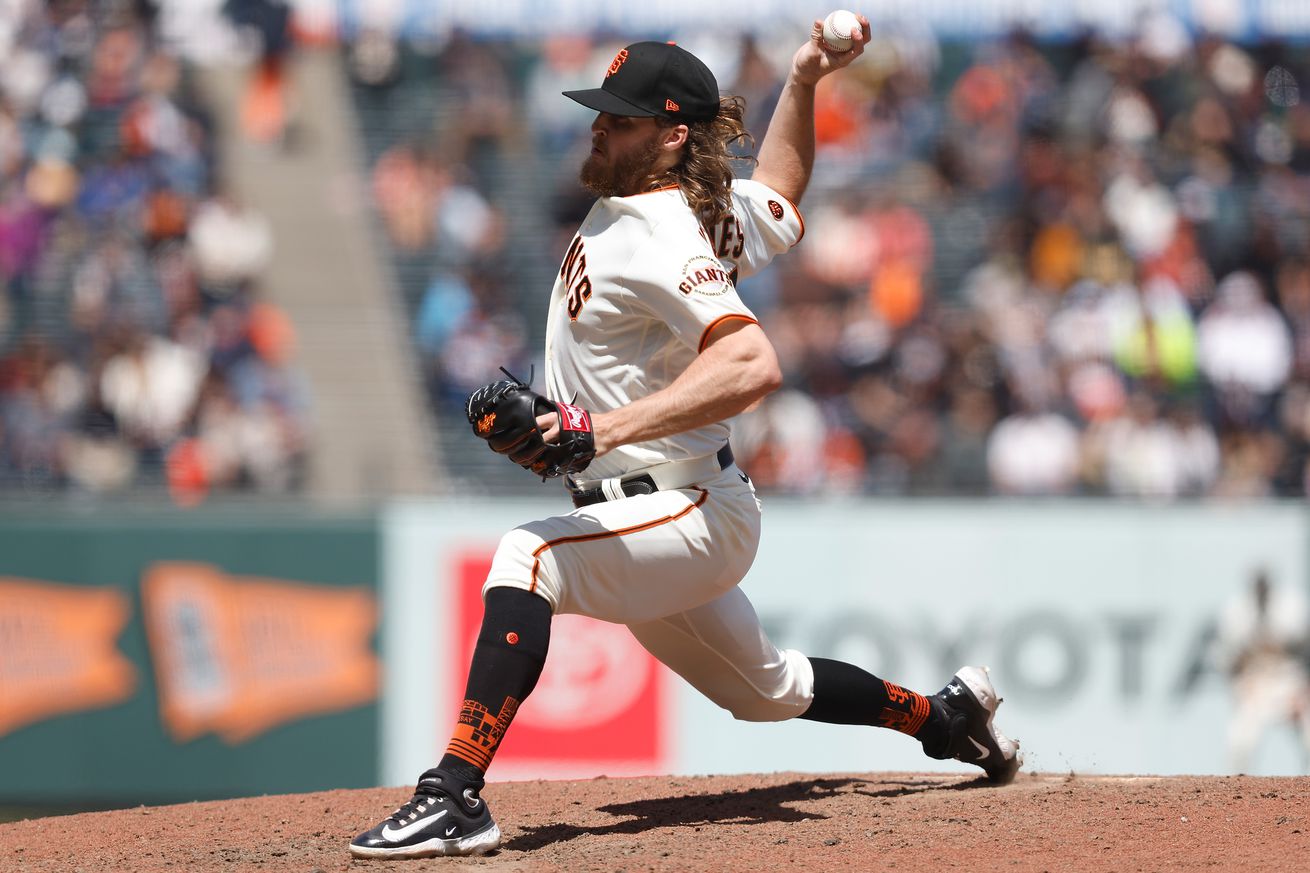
(704, 275)
(776, 208)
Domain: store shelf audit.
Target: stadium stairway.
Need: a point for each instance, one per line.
(372, 433)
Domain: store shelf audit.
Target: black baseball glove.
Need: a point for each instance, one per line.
(505, 414)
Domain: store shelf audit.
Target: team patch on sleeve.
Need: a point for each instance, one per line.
(704, 275)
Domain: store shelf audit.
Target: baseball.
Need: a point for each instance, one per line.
(839, 28)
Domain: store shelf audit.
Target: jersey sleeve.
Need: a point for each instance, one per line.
(769, 224)
(676, 278)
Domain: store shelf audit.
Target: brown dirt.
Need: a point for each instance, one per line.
(863, 821)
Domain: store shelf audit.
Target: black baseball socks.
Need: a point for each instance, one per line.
(845, 694)
(507, 662)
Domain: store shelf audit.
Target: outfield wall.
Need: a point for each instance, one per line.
(1096, 619)
(197, 655)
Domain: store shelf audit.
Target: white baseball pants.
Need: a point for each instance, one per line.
(667, 565)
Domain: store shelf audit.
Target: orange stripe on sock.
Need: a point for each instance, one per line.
(478, 732)
(919, 709)
(465, 752)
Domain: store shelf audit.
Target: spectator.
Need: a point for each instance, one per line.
(129, 281)
(1245, 351)
(1008, 283)
(1032, 453)
(150, 387)
(231, 244)
(1149, 455)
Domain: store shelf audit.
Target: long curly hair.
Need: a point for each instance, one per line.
(705, 171)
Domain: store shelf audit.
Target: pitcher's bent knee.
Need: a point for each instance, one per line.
(515, 565)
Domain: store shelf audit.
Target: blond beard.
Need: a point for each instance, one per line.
(630, 174)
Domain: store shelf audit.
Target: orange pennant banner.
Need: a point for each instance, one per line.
(238, 655)
(57, 650)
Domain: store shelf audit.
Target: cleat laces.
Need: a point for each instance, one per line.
(414, 807)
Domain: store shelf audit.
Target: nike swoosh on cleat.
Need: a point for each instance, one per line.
(983, 751)
(450, 830)
(395, 835)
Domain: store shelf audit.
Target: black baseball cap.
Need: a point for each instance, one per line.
(649, 79)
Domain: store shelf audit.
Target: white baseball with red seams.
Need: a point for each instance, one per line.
(839, 30)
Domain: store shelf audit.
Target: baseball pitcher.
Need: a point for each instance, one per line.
(649, 351)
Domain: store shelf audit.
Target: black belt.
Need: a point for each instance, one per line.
(639, 484)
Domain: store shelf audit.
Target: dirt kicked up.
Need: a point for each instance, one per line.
(782, 821)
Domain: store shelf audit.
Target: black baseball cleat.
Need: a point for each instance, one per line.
(970, 703)
(444, 817)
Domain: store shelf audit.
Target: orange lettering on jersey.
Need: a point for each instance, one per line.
(731, 239)
(670, 106)
(617, 62)
(575, 248)
(579, 294)
(573, 273)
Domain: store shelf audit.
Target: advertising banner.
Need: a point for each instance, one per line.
(237, 656)
(58, 651)
(153, 659)
(1098, 621)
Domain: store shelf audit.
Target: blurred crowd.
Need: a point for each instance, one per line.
(1078, 267)
(1030, 268)
(136, 350)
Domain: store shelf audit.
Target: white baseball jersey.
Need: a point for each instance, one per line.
(640, 288)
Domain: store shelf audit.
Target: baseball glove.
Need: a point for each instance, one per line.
(505, 414)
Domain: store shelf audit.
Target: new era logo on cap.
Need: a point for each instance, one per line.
(655, 79)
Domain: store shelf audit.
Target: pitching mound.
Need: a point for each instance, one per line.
(862, 821)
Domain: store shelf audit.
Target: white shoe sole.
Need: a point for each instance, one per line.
(979, 683)
(474, 844)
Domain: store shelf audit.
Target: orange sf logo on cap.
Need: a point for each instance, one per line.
(617, 62)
